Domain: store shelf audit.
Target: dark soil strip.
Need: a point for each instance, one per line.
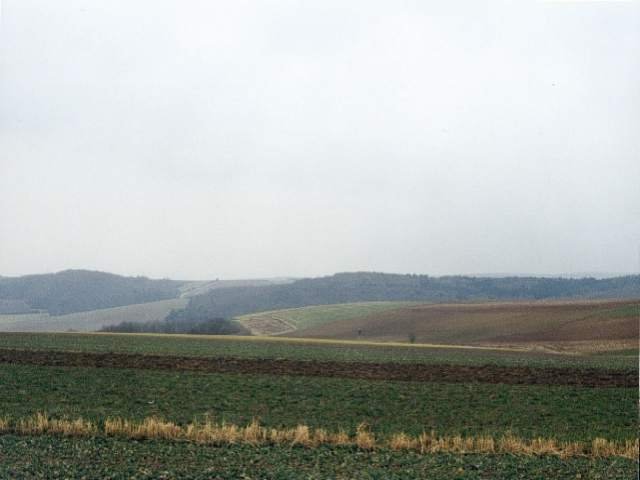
(369, 371)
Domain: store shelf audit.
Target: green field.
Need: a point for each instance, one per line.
(315, 315)
(58, 458)
(92, 320)
(567, 413)
(303, 349)
(563, 413)
(48, 457)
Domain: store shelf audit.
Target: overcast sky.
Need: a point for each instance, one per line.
(234, 139)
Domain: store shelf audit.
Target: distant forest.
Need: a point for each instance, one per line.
(81, 290)
(214, 326)
(365, 286)
(192, 321)
(73, 291)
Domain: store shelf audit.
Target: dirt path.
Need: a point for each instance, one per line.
(371, 371)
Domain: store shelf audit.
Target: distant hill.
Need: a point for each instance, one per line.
(190, 289)
(371, 286)
(562, 325)
(73, 291)
(10, 306)
(91, 320)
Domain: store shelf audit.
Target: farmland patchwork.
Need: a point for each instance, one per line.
(213, 407)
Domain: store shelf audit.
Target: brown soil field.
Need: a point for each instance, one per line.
(370, 371)
(579, 347)
(493, 323)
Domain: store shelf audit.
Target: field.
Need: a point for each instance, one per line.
(566, 412)
(278, 322)
(472, 406)
(91, 320)
(312, 350)
(551, 325)
(54, 457)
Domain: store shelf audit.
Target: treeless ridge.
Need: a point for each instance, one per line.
(516, 375)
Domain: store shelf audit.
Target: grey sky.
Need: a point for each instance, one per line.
(199, 139)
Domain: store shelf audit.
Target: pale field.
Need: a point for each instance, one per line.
(92, 320)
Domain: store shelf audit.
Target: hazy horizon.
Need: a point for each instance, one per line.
(575, 275)
(252, 139)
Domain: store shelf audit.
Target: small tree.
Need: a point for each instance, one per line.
(412, 338)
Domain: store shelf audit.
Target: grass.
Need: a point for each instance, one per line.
(359, 429)
(622, 312)
(315, 315)
(118, 459)
(564, 413)
(307, 349)
(255, 434)
(91, 320)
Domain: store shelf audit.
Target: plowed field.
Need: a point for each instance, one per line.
(530, 324)
(369, 371)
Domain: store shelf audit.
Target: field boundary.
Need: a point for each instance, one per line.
(308, 341)
(303, 435)
(412, 372)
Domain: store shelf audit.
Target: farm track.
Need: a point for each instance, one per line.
(517, 375)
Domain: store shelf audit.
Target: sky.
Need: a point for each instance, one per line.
(242, 139)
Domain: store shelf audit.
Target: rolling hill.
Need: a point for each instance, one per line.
(579, 325)
(281, 322)
(92, 320)
(86, 300)
(72, 291)
(83, 300)
(508, 322)
(377, 287)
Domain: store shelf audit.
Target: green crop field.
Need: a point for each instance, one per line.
(316, 315)
(562, 413)
(118, 459)
(567, 413)
(308, 349)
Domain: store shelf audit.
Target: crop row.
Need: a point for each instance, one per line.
(256, 434)
(563, 412)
